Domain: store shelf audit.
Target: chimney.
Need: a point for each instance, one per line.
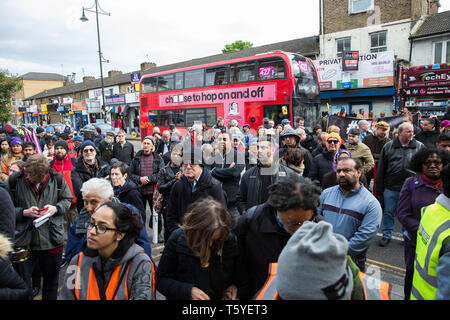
(88, 78)
(147, 65)
(114, 73)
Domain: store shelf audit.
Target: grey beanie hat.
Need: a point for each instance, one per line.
(313, 265)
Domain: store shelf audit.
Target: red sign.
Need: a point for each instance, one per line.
(350, 60)
(427, 91)
(436, 75)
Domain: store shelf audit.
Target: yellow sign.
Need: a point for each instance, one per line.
(284, 110)
(43, 107)
(137, 87)
(71, 112)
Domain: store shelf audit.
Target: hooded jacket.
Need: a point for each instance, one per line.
(12, 287)
(182, 196)
(129, 193)
(128, 254)
(250, 193)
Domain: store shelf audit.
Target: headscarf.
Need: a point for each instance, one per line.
(336, 157)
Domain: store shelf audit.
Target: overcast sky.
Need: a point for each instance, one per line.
(47, 35)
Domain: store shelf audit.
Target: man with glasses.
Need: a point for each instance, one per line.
(87, 166)
(196, 183)
(352, 210)
(392, 171)
(323, 162)
(264, 229)
(123, 150)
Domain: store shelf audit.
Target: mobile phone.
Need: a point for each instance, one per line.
(42, 209)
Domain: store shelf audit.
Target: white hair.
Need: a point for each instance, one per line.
(300, 132)
(362, 123)
(102, 187)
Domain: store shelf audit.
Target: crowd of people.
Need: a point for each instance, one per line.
(280, 212)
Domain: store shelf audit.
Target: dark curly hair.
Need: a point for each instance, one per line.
(294, 192)
(419, 158)
(126, 220)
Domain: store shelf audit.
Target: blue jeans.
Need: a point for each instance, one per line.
(390, 205)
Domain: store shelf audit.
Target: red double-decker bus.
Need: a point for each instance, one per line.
(277, 85)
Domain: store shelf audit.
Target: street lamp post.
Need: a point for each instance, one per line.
(100, 55)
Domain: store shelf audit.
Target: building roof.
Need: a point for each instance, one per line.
(42, 76)
(308, 47)
(436, 24)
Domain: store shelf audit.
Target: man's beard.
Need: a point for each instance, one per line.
(347, 184)
(109, 140)
(59, 156)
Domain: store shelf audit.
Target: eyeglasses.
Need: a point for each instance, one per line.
(332, 141)
(100, 229)
(429, 163)
(88, 150)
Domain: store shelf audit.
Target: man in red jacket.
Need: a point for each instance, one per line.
(63, 163)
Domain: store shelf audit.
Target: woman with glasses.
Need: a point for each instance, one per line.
(111, 266)
(199, 259)
(323, 162)
(417, 192)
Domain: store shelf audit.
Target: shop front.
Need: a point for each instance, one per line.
(426, 89)
(367, 83)
(115, 105)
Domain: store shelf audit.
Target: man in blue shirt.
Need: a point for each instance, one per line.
(352, 210)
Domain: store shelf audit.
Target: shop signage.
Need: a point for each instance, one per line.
(374, 70)
(436, 75)
(78, 106)
(135, 78)
(351, 59)
(115, 100)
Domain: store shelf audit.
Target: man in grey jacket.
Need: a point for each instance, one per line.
(38, 192)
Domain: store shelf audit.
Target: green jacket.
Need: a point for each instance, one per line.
(49, 235)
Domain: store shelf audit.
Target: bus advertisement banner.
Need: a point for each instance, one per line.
(232, 98)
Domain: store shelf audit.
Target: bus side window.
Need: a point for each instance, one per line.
(165, 82)
(243, 72)
(179, 80)
(194, 78)
(148, 85)
(216, 76)
(271, 69)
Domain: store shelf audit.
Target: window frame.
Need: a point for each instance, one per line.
(350, 7)
(183, 114)
(339, 53)
(445, 50)
(378, 41)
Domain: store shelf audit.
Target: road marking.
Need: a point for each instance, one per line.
(398, 238)
(386, 265)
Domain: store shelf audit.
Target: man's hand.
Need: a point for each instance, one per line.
(178, 175)
(198, 294)
(230, 293)
(31, 212)
(144, 180)
(50, 209)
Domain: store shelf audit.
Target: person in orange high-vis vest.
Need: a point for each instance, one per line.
(111, 266)
(303, 272)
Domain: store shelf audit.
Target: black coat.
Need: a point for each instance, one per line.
(229, 177)
(166, 180)
(260, 240)
(130, 194)
(179, 269)
(428, 138)
(12, 287)
(135, 168)
(7, 213)
(322, 164)
(80, 174)
(250, 193)
(309, 144)
(125, 153)
(181, 197)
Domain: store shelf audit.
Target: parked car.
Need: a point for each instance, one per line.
(87, 132)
